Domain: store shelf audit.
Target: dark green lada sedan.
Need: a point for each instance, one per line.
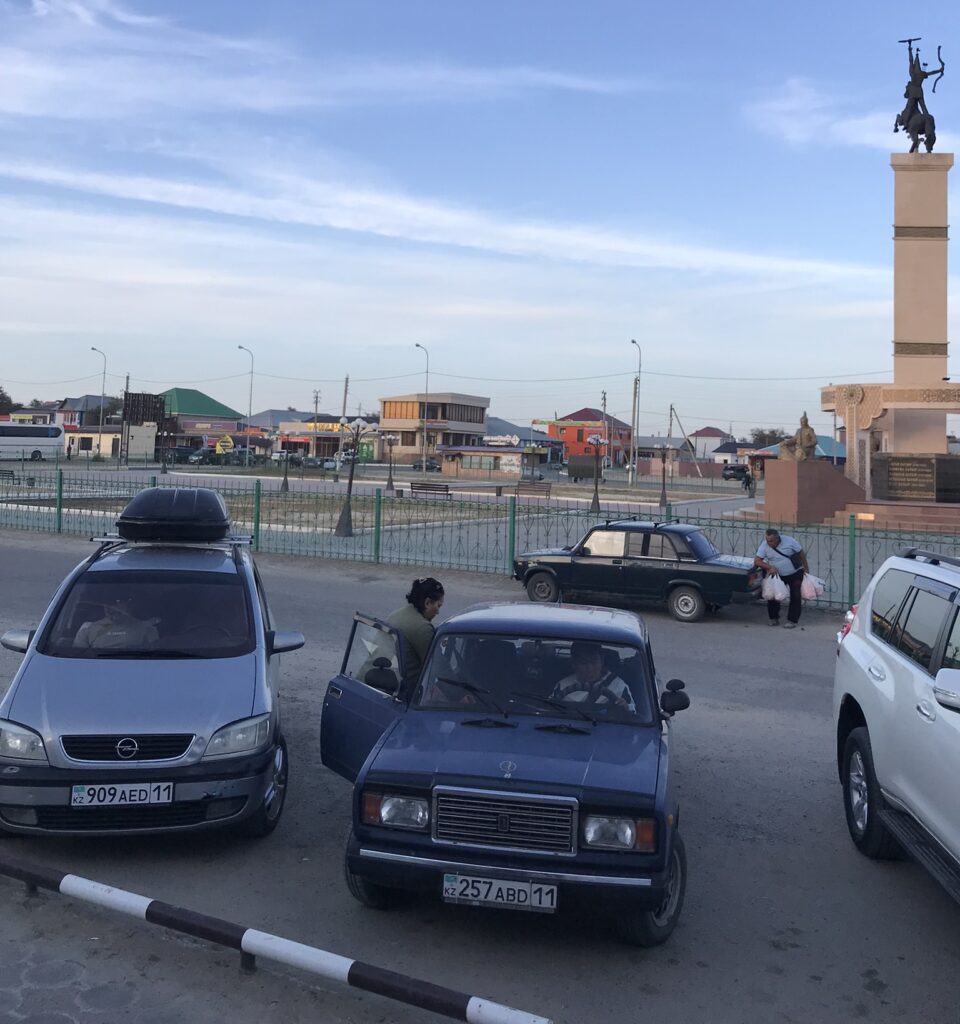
(633, 561)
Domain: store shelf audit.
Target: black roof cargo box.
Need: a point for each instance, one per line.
(175, 514)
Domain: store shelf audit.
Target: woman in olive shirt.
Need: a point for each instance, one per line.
(414, 623)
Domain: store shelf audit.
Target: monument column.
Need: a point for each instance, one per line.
(919, 294)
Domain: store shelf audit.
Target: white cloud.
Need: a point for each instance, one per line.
(804, 114)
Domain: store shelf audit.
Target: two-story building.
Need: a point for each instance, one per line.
(574, 429)
(446, 417)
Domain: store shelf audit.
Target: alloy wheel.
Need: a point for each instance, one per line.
(859, 795)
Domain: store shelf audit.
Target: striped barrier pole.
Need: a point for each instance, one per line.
(251, 943)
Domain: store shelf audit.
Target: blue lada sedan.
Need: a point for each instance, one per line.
(528, 768)
(147, 700)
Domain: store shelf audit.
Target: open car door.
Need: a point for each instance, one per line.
(363, 701)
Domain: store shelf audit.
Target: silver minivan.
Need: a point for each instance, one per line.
(147, 700)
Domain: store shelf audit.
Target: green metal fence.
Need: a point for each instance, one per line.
(481, 534)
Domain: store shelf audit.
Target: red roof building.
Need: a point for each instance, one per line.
(574, 429)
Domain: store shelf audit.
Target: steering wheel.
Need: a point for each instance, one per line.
(612, 698)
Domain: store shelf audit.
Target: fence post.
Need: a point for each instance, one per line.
(377, 511)
(153, 481)
(851, 560)
(511, 532)
(59, 500)
(256, 515)
(668, 514)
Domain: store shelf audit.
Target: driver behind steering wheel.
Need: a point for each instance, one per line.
(591, 682)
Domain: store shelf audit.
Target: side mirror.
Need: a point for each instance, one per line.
(674, 685)
(673, 701)
(17, 639)
(946, 688)
(280, 641)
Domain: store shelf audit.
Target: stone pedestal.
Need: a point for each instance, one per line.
(805, 492)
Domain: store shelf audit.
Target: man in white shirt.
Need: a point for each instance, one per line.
(119, 629)
(590, 682)
(777, 555)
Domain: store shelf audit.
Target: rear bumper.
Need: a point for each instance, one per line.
(420, 872)
(36, 800)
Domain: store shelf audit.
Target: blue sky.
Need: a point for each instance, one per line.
(521, 187)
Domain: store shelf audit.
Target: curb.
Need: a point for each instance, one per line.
(251, 943)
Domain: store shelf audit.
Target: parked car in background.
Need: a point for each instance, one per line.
(631, 561)
(433, 466)
(896, 699)
(528, 768)
(733, 471)
(202, 456)
(292, 458)
(174, 455)
(148, 696)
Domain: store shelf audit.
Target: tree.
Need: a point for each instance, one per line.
(7, 404)
(764, 436)
(111, 407)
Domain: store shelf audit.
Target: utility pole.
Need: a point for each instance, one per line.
(634, 448)
(606, 426)
(316, 405)
(343, 417)
(124, 454)
(673, 412)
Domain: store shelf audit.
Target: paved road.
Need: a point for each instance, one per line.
(784, 921)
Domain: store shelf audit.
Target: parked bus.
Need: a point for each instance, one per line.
(30, 441)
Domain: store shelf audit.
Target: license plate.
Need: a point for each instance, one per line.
(122, 795)
(498, 893)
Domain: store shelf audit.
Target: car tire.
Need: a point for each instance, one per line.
(686, 604)
(377, 897)
(863, 801)
(542, 587)
(653, 927)
(267, 816)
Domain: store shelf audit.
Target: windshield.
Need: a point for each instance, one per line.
(700, 545)
(540, 676)
(152, 615)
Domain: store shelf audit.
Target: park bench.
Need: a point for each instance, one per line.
(428, 487)
(531, 489)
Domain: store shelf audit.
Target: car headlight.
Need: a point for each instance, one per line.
(395, 811)
(239, 737)
(21, 743)
(609, 833)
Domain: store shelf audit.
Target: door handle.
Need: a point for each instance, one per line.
(925, 711)
(335, 691)
(877, 673)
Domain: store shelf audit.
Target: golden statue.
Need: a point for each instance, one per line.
(802, 446)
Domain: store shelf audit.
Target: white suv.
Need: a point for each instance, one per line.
(896, 699)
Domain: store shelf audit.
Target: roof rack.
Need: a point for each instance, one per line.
(933, 557)
(115, 540)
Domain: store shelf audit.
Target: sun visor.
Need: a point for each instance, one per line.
(175, 514)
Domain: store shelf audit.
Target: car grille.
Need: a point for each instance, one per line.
(156, 747)
(92, 819)
(510, 821)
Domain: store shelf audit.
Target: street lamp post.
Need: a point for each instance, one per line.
(636, 415)
(285, 482)
(663, 477)
(246, 436)
(103, 398)
(426, 411)
(390, 440)
(356, 431)
(598, 441)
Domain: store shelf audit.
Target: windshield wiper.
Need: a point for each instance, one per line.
(477, 691)
(141, 655)
(490, 723)
(563, 727)
(557, 705)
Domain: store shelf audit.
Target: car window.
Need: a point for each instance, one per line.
(918, 637)
(635, 542)
(701, 545)
(888, 596)
(373, 656)
(530, 675)
(951, 650)
(606, 543)
(661, 546)
(152, 614)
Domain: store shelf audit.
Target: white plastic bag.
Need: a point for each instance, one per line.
(774, 589)
(811, 587)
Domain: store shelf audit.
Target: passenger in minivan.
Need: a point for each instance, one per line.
(118, 629)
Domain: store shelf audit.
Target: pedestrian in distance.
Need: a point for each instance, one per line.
(784, 557)
(414, 623)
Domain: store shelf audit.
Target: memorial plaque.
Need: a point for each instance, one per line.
(916, 478)
(948, 478)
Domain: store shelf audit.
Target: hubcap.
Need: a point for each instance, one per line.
(859, 797)
(543, 590)
(273, 801)
(685, 604)
(663, 914)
